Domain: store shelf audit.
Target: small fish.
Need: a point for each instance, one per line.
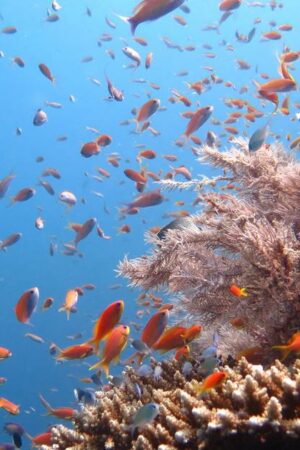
(155, 327)
(40, 118)
(132, 54)
(4, 184)
(210, 382)
(85, 396)
(143, 416)
(171, 338)
(35, 338)
(293, 345)
(26, 305)
(9, 406)
(198, 119)
(5, 353)
(68, 197)
(115, 93)
(70, 302)
(75, 352)
(63, 412)
(39, 223)
(237, 291)
(23, 195)
(258, 138)
(145, 11)
(10, 240)
(107, 320)
(115, 344)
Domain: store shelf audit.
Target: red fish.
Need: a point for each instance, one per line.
(182, 352)
(293, 345)
(10, 240)
(229, 5)
(9, 406)
(23, 195)
(4, 353)
(170, 339)
(27, 304)
(211, 382)
(107, 320)
(198, 119)
(155, 327)
(46, 72)
(149, 10)
(75, 352)
(237, 291)
(62, 412)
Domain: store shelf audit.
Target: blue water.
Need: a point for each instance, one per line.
(61, 46)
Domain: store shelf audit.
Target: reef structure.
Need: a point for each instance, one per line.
(253, 408)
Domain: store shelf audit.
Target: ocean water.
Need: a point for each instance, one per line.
(62, 45)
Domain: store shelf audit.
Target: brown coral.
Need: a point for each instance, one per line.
(248, 235)
(254, 408)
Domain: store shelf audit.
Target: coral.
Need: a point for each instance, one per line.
(247, 234)
(253, 408)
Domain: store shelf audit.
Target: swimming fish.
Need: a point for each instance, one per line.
(62, 412)
(198, 119)
(155, 327)
(258, 138)
(293, 345)
(115, 344)
(70, 302)
(4, 353)
(26, 305)
(143, 416)
(210, 382)
(149, 10)
(237, 291)
(9, 406)
(10, 240)
(75, 352)
(107, 320)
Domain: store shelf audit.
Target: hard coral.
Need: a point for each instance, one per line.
(246, 234)
(254, 408)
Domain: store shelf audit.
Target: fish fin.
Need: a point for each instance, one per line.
(46, 404)
(244, 292)
(285, 350)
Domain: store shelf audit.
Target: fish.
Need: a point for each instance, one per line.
(83, 230)
(10, 240)
(258, 138)
(182, 352)
(5, 183)
(107, 320)
(5, 353)
(170, 339)
(114, 92)
(237, 291)
(41, 439)
(23, 195)
(293, 345)
(114, 345)
(68, 197)
(229, 5)
(155, 327)
(144, 415)
(132, 54)
(147, 199)
(149, 10)
(85, 396)
(198, 119)
(27, 304)
(9, 406)
(46, 72)
(147, 110)
(62, 412)
(210, 382)
(75, 352)
(40, 118)
(35, 338)
(278, 85)
(70, 302)
(181, 223)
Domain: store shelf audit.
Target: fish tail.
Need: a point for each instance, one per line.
(129, 20)
(101, 364)
(284, 349)
(244, 292)
(46, 404)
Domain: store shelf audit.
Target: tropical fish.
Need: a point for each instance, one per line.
(147, 110)
(68, 197)
(237, 291)
(10, 240)
(149, 10)
(46, 72)
(155, 327)
(143, 416)
(258, 138)
(23, 195)
(115, 344)
(182, 352)
(62, 412)
(293, 345)
(9, 406)
(4, 353)
(170, 339)
(210, 382)
(40, 118)
(83, 230)
(229, 5)
(41, 439)
(70, 302)
(107, 320)
(89, 149)
(198, 119)
(4, 184)
(26, 305)
(75, 352)
(115, 93)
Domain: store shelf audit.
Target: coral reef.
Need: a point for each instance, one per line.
(247, 234)
(253, 408)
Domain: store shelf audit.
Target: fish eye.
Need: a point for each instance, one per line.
(31, 291)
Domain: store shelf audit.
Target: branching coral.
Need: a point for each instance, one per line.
(254, 408)
(247, 234)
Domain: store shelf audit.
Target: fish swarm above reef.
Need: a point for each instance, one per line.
(253, 408)
(247, 234)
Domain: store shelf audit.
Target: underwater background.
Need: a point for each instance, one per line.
(64, 45)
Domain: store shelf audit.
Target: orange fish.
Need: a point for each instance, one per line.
(155, 327)
(147, 110)
(26, 305)
(148, 60)
(41, 439)
(182, 352)
(285, 106)
(237, 291)
(104, 140)
(293, 345)
(89, 149)
(70, 302)
(4, 353)
(170, 339)
(135, 176)
(106, 322)
(48, 302)
(115, 344)
(278, 85)
(9, 406)
(211, 382)
(199, 118)
(23, 195)
(75, 352)
(192, 333)
(229, 5)
(63, 412)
